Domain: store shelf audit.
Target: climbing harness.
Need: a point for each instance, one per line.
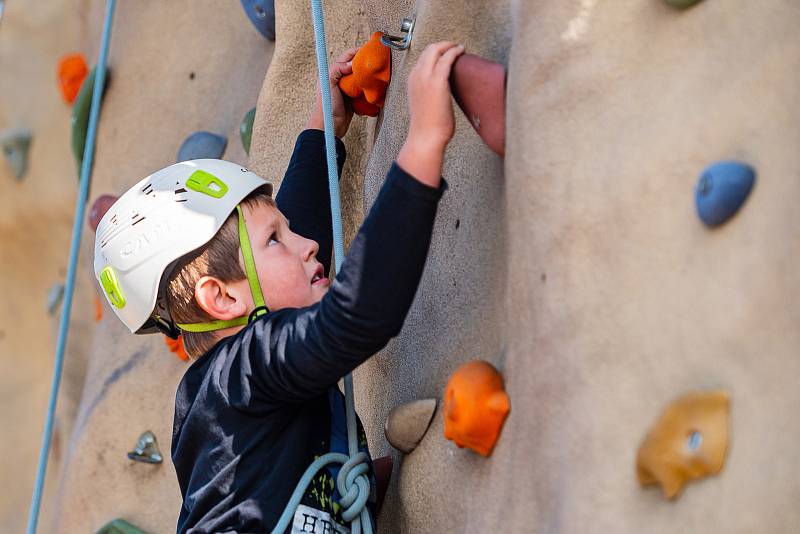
(86, 169)
(352, 481)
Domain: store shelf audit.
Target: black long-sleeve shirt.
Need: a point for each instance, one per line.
(255, 411)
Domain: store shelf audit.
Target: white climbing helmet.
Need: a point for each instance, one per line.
(165, 216)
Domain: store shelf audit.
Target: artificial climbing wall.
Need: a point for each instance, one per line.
(577, 265)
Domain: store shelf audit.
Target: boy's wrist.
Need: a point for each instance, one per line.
(426, 142)
(315, 122)
(422, 158)
(318, 123)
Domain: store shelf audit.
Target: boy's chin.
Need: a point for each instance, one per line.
(317, 293)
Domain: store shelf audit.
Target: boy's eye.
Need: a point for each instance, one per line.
(273, 239)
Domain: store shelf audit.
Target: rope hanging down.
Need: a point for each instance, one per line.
(352, 481)
(74, 248)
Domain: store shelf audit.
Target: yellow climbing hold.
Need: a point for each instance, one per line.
(687, 442)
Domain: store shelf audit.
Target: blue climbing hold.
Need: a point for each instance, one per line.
(202, 145)
(262, 14)
(722, 189)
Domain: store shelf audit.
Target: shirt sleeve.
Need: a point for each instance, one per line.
(304, 196)
(295, 354)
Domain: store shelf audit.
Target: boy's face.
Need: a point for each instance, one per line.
(287, 266)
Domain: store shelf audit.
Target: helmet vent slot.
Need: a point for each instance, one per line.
(137, 220)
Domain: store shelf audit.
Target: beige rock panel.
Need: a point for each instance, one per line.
(458, 314)
(35, 229)
(614, 109)
(177, 67)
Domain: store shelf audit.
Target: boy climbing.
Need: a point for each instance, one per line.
(201, 247)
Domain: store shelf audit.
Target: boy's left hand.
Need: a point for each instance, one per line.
(342, 109)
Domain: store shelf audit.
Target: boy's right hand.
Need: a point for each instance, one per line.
(429, 104)
(429, 97)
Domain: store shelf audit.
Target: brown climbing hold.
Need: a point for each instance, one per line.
(372, 70)
(176, 346)
(407, 424)
(479, 89)
(99, 208)
(72, 70)
(383, 473)
(475, 406)
(688, 442)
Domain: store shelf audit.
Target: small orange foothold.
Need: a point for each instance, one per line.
(475, 406)
(72, 70)
(689, 441)
(372, 68)
(98, 309)
(176, 346)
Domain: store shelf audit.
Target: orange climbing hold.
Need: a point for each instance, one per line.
(475, 406)
(372, 70)
(689, 441)
(72, 70)
(176, 346)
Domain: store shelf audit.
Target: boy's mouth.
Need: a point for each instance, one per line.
(318, 278)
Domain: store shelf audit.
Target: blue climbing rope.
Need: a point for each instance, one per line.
(352, 481)
(77, 225)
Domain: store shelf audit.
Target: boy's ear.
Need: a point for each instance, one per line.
(221, 300)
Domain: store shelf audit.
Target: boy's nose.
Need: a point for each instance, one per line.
(312, 247)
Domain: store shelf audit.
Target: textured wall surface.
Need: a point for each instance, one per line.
(614, 109)
(577, 266)
(35, 227)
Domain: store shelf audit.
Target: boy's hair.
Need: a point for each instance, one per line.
(218, 258)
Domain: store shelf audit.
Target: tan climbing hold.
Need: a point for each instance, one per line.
(475, 406)
(688, 442)
(407, 424)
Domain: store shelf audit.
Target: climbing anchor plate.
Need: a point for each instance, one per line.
(403, 42)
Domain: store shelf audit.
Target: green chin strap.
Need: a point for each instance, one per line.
(252, 279)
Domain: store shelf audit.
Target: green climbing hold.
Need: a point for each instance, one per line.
(681, 4)
(120, 526)
(16, 143)
(80, 116)
(246, 129)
